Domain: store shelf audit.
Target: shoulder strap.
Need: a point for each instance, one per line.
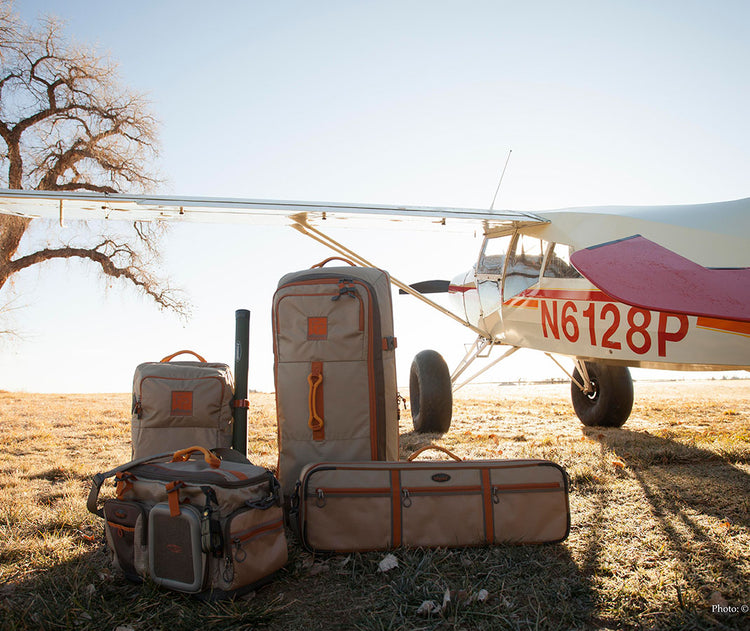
(99, 478)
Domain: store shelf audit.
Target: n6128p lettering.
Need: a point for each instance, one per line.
(606, 326)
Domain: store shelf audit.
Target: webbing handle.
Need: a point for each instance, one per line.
(437, 448)
(333, 258)
(169, 358)
(184, 454)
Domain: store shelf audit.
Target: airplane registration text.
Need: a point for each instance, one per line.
(630, 328)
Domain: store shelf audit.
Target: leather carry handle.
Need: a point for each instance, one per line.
(184, 454)
(437, 448)
(333, 258)
(315, 421)
(169, 358)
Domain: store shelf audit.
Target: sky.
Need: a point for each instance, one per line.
(394, 102)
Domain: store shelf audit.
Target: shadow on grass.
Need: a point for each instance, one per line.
(85, 593)
(527, 587)
(677, 477)
(698, 499)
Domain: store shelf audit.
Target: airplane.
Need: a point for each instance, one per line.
(612, 287)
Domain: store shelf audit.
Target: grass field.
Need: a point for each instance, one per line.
(660, 534)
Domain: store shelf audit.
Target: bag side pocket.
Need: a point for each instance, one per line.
(255, 547)
(125, 530)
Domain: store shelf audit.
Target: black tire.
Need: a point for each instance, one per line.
(610, 403)
(430, 393)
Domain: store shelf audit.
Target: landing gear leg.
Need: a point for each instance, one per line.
(431, 386)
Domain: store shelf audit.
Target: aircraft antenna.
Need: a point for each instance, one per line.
(502, 175)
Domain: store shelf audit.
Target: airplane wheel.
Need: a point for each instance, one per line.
(430, 393)
(610, 403)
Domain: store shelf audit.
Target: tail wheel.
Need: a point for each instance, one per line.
(611, 399)
(430, 393)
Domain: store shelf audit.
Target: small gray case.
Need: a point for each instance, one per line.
(175, 556)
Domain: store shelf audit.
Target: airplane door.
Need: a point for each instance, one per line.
(489, 274)
(524, 265)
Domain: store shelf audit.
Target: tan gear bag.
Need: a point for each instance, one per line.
(177, 404)
(358, 506)
(206, 526)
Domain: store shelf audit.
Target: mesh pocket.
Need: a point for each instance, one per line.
(176, 558)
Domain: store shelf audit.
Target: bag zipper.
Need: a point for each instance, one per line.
(197, 478)
(333, 295)
(321, 494)
(138, 407)
(408, 492)
(533, 487)
(233, 543)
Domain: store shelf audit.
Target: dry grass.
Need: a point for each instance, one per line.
(660, 524)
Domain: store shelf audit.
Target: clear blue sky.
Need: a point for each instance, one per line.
(412, 102)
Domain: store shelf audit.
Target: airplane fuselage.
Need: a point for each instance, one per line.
(570, 316)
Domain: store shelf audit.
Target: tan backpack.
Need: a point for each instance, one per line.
(334, 368)
(177, 404)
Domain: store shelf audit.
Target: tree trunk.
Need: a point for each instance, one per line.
(11, 232)
(15, 170)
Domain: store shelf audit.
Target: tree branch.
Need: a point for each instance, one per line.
(104, 255)
(67, 124)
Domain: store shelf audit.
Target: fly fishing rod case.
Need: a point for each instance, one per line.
(205, 526)
(177, 404)
(334, 368)
(358, 506)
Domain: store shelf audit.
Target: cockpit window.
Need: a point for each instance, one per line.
(558, 263)
(493, 255)
(524, 265)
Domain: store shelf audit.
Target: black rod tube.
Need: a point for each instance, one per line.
(241, 369)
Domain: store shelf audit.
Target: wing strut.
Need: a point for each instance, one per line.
(301, 225)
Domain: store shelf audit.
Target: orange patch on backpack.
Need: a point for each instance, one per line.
(182, 403)
(317, 328)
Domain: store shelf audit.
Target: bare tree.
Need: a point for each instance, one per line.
(67, 124)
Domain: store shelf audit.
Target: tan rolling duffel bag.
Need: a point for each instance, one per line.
(206, 526)
(177, 404)
(334, 368)
(358, 506)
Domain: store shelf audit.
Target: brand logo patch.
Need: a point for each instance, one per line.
(174, 548)
(182, 403)
(317, 328)
(441, 477)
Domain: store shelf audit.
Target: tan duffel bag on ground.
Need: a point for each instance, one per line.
(358, 506)
(334, 368)
(177, 404)
(202, 525)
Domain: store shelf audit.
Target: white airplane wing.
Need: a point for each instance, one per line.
(712, 235)
(100, 206)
